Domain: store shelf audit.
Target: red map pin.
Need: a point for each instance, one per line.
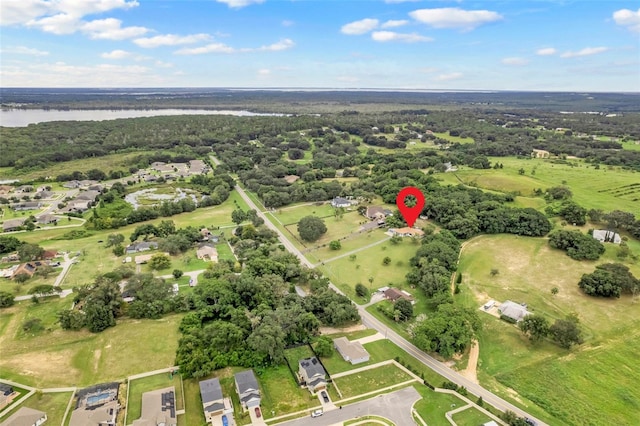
(410, 214)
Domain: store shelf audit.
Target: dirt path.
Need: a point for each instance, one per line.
(471, 371)
(332, 330)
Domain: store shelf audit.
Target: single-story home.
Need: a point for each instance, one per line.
(26, 416)
(28, 268)
(12, 224)
(97, 405)
(352, 352)
(606, 236)
(46, 219)
(377, 213)
(247, 389)
(88, 195)
(341, 202)
(8, 272)
(312, 374)
(141, 246)
(27, 205)
(393, 294)
(513, 310)
(158, 408)
(406, 232)
(207, 252)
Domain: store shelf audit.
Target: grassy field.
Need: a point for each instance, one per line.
(370, 380)
(54, 404)
(293, 213)
(597, 189)
(346, 273)
(470, 417)
(281, 394)
(61, 358)
(599, 370)
(433, 405)
(139, 386)
(193, 403)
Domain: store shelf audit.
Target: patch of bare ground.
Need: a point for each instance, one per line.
(471, 372)
(334, 330)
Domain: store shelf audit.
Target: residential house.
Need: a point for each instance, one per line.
(141, 246)
(96, 187)
(8, 272)
(312, 374)
(513, 310)
(27, 205)
(406, 232)
(49, 254)
(207, 252)
(26, 416)
(46, 219)
(28, 268)
(377, 213)
(197, 167)
(78, 206)
(12, 257)
(22, 189)
(393, 294)
(606, 236)
(449, 167)
(208, 236)
(96, 406)
(213, 402)
(44, 195)
(352, 352)
(6, 392)
(12, 224)
(88, 195)
(158, 408)
(248, 389)
(341, 202)
(72, 184)
(540, 153)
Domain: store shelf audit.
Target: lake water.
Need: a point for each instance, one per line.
(24, 117)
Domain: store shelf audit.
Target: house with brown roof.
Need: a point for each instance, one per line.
(26, 416)
(28, 268)
(207, 252)
(393, 294)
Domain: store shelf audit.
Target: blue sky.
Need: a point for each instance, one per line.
(558, 45)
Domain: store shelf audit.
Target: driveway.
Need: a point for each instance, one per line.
(396, 406)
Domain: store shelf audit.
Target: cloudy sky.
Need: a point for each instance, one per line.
(586, 45)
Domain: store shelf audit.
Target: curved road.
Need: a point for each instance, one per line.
(372, 322)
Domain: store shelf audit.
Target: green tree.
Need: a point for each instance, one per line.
(238, 216)
(566, 332)
(335, 245)
(324, 347)
(311, 228)
(99, 316)
(21, 277)
(28, 252)
(6, 299)
(361, 290)
(118, 250)
(405, 308)
(114, 239)
(159, 261)
(535, 327)
(32, 325)
(449, 330)
(386, 261)
(71, 319)
(177, 273)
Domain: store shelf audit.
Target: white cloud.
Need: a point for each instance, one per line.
(264, 72)
(20, 12)
(116, 54)
(283, 44)
(587, 51)
(111, 29)
(170, 40)
(61, 23)
(454, 17)
(394, 23)
(546, 51)
(287, 23)
(239, 3)
(628, 18)
(209, 48)
(384, 36)
(162, 64)
(450, 76)
(23, 50)
(515, 61)
(362, 26)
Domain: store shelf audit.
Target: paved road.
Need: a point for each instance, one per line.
(371, 322)
(395, 406)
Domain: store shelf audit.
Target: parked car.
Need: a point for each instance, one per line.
(258, 413)
(325, 397)
(317, 413)
(225, 422)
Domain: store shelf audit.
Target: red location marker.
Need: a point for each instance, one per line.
(410, 214)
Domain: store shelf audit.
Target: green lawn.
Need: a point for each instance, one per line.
(139, 386)
(293, 213)
(582, 378)
(346, 273)
(62, 358)
(54, 404)
(371, 380)
(294, 355)
(598, 189)
(194, 416)
(470, 417)
(281, 394)
(433, 405)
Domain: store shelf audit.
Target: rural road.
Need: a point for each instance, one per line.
(66, 265)
(370, 321)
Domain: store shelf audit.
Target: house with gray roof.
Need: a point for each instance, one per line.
(212, 399)
(158, 408)
(26, 416)
(12, 224)
(513, 311)
(248, 389)
(312, 374)
(352, 352)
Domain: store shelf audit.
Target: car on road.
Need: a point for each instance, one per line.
(325, 397)
(317, 413)
(225, 422)
(258, 413)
